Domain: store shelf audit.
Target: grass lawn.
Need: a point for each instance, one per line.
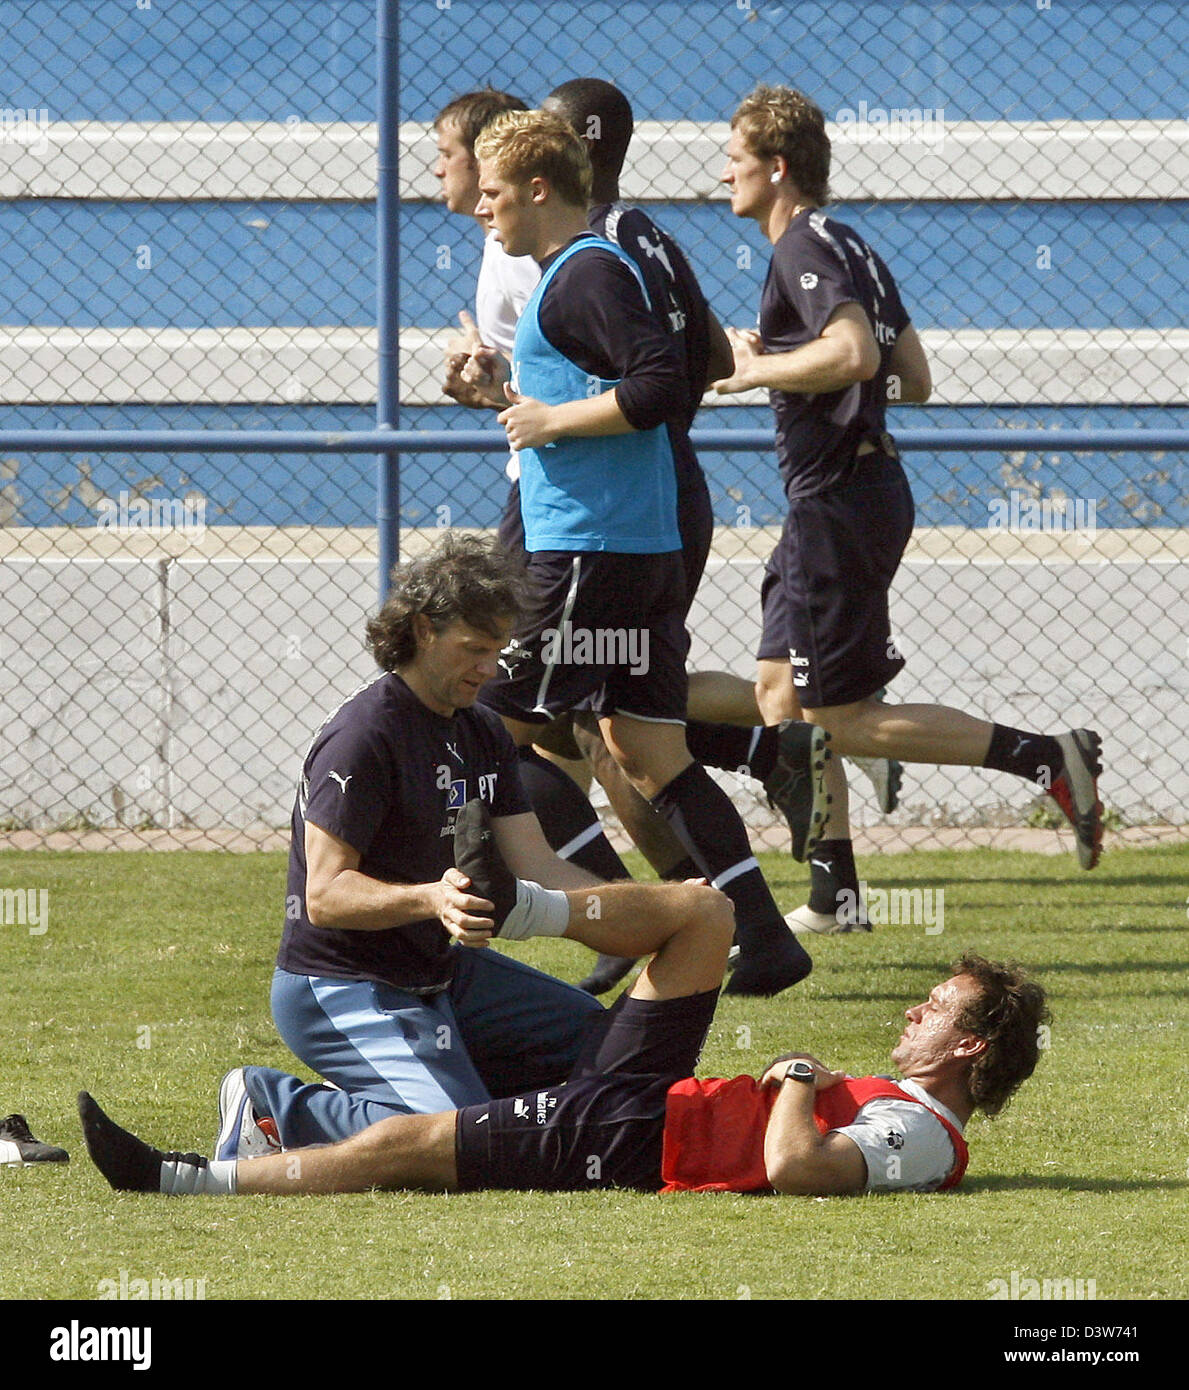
(152, 979)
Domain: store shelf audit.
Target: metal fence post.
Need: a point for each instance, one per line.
(387, 293)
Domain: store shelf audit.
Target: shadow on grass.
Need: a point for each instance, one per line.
(1039, 969)
(1057, 1182)
(1109, 967)
(1094, 880)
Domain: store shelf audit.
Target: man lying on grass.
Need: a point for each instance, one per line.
(632, 1115)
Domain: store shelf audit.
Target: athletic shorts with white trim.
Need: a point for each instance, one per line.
(602, 630)
(825, 589)
(605, 1126)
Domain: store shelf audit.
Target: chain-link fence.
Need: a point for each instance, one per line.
(188, 191)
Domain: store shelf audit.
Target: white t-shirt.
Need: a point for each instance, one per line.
(505, 284)
(903, 1145)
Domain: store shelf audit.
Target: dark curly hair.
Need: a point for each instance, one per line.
(461, 577)
(1008, 1013)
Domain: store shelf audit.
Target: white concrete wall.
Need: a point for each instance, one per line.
(182, 691)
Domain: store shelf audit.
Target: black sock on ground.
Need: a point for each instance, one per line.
(831, 873)
(128, 1164)
(1036, 757)
(731, 748)
(707, 824)
(570, 822)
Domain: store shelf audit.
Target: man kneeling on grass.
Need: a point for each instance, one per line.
(632, 1115)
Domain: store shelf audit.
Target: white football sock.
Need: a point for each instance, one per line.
(213, 1179)
(538, 912)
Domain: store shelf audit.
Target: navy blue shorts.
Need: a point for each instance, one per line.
(602, 631)
(510, 531)
(825, 588)
(695, 522)
(605, 1126)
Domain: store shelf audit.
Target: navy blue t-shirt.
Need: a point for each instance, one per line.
(679, 305)
(673, 290)
(388, 775)
(817, 265)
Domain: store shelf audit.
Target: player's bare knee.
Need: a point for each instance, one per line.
(710, 913)
(384, 1138)
(404, 1150)
(701, 944)
(721, 918)
(774, 700)
(634, 766)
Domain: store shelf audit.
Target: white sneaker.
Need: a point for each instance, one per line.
(804, 919)
(241, 1133)
(886, 775)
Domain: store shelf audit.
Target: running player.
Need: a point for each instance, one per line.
(594, 384)
(553, 771)
(505, 282)
(601, 114)
(833, 333)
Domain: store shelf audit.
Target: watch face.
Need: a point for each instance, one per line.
(802, 1071)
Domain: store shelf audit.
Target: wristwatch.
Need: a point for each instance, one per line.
(800, 1071)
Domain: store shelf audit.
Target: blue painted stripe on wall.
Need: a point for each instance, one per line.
(1121, 265)
(77, 263)
(979, 59)
(264, 59)
(206, 60)
(959, 265)
(256, 490)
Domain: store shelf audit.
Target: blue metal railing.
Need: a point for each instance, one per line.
(484, 441)
(389, 444)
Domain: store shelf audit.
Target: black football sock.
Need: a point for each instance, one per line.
(1036, 757)
(683, 869)
(833, 879)
(476, 855)
(131, 1165)
(571, 824)
(707, 824)
(732, 748)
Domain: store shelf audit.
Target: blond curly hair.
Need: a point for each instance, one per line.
(782, 121)
(525, 145)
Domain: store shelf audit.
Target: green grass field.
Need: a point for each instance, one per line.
(152, 979)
